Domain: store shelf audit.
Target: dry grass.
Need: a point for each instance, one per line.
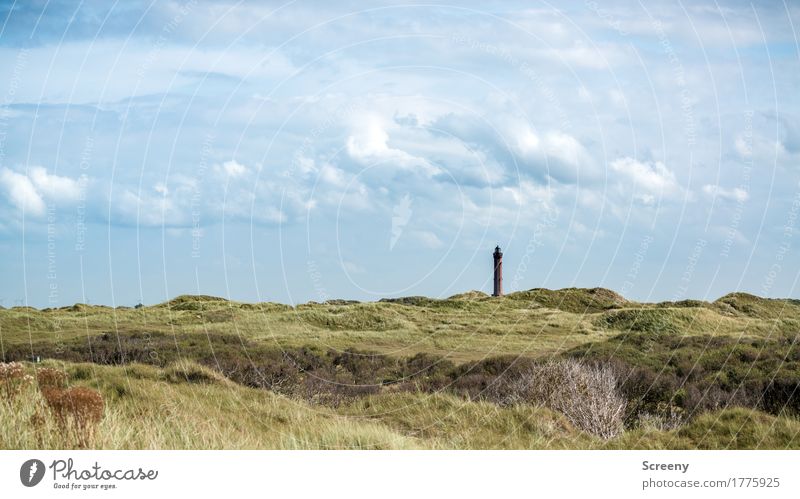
(49, 411)
(150, 408)
(180, 404)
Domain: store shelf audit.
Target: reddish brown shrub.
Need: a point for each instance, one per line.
(76, 409)
(47, 377)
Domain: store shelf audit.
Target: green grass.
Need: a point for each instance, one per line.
(465, 327)
(180, 401)
(187, 406)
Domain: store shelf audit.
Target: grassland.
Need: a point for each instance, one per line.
(204, 372)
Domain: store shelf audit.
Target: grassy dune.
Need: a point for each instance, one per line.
(190, 407)
(192, 372)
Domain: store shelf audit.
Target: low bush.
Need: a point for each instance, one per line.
(12, 379)
(586, 394)
(77, 410)
(48, 377)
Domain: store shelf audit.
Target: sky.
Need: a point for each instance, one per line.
(306, 151)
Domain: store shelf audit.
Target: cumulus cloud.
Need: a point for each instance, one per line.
(736, 194)
(368, 144)
(582, 55)
(233, 168)
(21, 193)
(556, 154)
(54, 186)
(491, 133)
(30, 192)
(149, 209)
(651, 180)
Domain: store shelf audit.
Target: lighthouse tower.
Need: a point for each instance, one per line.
(498, 272)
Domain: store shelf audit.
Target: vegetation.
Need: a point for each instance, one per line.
(569, 368)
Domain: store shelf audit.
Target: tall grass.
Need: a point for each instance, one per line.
(371, 375)
(152, 408)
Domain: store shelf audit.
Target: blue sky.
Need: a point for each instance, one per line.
(297, 151)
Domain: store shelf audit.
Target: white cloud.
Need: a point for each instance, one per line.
(21, 192)
(736, 194)
(588, 56)
(168, 206)
(145, 210)
(29, 192)
(332, 176)
(565, 147)
(233, 168)
(652, 179)
(54, 186)
(369, 140)
(557, 154)
(368, 144)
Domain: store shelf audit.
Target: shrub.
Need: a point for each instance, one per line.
(586, 394)
(77, 410)
(648, 392)
(12, 379)
(782, 395)
(48, 377)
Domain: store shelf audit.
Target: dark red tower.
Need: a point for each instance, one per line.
(498, 272)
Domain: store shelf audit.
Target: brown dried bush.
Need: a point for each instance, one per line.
(77, 410)
(12, 379)
(48, 377)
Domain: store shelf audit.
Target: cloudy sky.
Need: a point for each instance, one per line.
(304, 151)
